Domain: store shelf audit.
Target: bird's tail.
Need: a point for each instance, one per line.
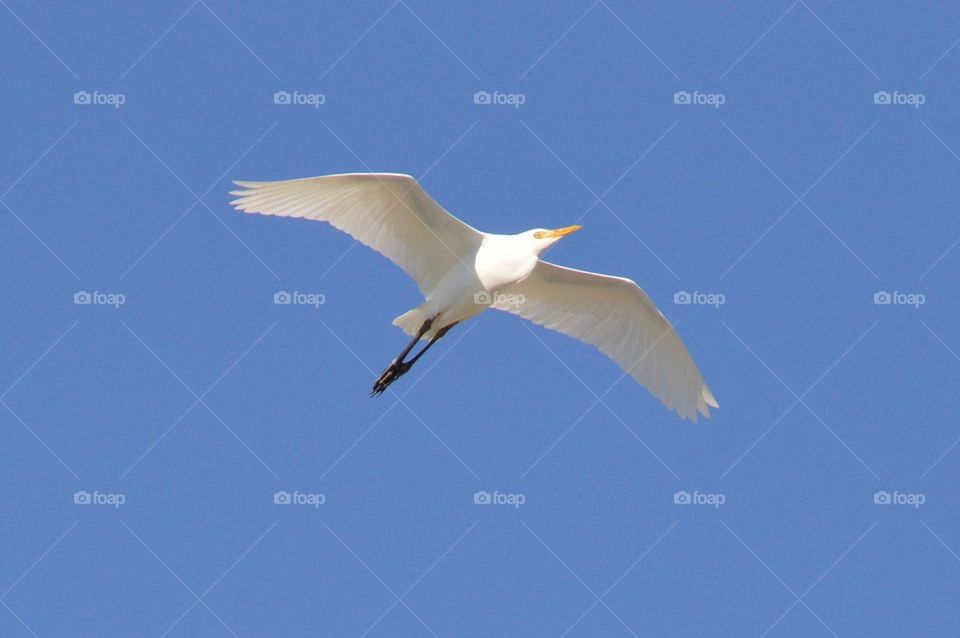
(411, 321)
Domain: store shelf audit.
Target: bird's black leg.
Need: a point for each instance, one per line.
(398, 367)
(435, 339)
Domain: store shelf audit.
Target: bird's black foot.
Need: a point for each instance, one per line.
(394, 371)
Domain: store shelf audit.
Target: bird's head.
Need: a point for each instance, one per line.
(544, 238)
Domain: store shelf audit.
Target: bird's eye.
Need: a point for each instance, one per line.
(538, 235)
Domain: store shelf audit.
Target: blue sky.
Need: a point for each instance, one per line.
(790, 168)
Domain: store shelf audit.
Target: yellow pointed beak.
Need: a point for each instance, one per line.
(566, 230)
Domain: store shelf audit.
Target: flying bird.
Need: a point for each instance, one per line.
(462, 271)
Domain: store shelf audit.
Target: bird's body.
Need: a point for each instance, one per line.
(462, 271)
(472, 285)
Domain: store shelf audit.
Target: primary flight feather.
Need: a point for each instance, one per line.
(462, 271)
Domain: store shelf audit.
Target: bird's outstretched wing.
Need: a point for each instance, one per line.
(616, 316)
(388, 212)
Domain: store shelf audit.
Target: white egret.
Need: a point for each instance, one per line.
(462, 271)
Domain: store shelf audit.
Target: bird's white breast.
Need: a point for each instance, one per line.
(501, 261)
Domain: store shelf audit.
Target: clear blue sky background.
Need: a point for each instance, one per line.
(797, 200)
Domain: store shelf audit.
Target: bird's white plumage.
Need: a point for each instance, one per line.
(388, 212)
(452, 262)
(616, 316)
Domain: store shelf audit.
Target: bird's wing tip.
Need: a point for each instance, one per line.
(709, 399)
